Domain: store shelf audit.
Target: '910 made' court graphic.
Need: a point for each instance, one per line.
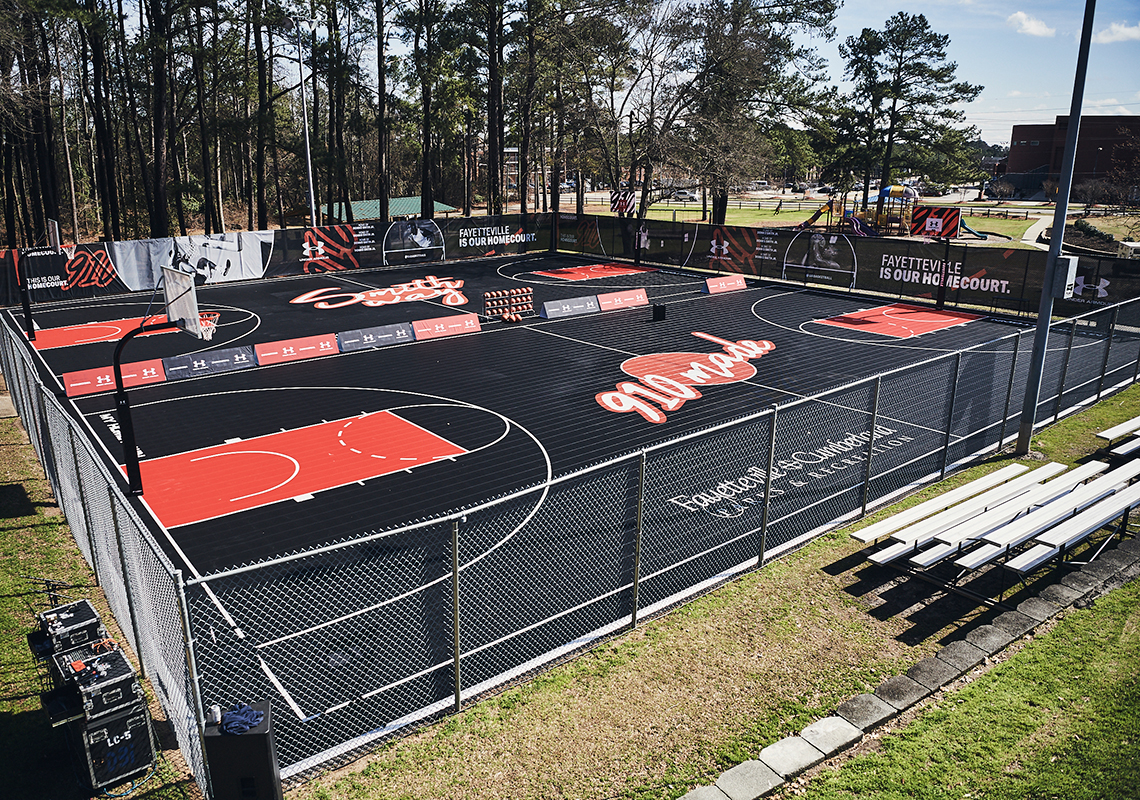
(667, 380)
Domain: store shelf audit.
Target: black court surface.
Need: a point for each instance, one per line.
(246, 465)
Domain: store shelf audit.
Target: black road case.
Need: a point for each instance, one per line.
(102, 678)
(117, 748)
(72, 625)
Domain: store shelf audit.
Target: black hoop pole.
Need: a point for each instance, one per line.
(123, 407)
(25, 301)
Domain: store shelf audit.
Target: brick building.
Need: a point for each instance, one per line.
(1040, 149)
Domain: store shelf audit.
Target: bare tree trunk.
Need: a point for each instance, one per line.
(559, 141)
(527, 110)
(179, 205)
(67, 154)
(132, 125)
(383, 188)
(494, 108)
(469, 164)
(7, 166)
(160, 22)
(263, 120)
(106, 167)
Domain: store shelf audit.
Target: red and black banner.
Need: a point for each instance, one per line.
(935, 221)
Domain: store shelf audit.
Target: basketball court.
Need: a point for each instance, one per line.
(359, 407)
(308, 436)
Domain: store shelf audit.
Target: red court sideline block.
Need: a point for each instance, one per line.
(446, 326)
(725, 283)
(626, 299)
(102, 379)
(296, 349)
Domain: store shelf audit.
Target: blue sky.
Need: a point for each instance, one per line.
(1024, 54)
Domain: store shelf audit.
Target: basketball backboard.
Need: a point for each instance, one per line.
(181, 298)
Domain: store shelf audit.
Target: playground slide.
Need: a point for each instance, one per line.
(807, 223)
(860, 227)
(967, 228)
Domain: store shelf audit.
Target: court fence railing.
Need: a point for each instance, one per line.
(361, 640)
(143, 588)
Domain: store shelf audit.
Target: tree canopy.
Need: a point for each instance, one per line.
(148, 118)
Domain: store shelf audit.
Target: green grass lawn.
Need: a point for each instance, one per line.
(36, 543)
(1061, 719)
(1126, 228)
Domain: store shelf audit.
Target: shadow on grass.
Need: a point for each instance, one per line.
(940, 602)
(40, 762)
(14, 501)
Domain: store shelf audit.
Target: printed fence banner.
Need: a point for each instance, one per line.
(1002, 278)
(935, 221)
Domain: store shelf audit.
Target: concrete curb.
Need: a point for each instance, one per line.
(784, 760)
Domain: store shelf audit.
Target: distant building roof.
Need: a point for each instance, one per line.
(397, 207)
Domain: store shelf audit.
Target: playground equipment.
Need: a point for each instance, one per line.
(898, 204)
(979, 234)
(829, 207)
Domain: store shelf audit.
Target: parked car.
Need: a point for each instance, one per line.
(686, 195)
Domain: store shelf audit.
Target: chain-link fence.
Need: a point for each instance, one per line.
(356, 641)
(142, 587)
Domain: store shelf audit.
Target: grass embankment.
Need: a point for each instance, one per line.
(36, 543)
(1124, 228)
(671, 705)
(1061, 719)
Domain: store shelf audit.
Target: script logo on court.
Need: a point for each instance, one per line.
(426, 288)
(667, 380)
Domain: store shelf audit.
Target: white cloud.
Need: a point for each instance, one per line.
(1118, 32)
(1029, 25)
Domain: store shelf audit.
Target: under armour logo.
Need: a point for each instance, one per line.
(1101, 287)
(719, 248)
(314, 249)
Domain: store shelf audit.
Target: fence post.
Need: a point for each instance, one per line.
(950, 417)
(635, 601)
(1064, 371)
(767, 488)
(83, 504)
(192, 670)
(871, 443)
(1107, 350)
(126, 581)
(455, 611)
(1009, 390)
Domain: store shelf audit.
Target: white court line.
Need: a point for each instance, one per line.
(277, 683)
(508, 423)
(296, 468)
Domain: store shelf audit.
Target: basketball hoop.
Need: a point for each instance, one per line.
(208, 323)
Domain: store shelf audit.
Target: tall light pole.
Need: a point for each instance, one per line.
(311, 25)
(1060, 212)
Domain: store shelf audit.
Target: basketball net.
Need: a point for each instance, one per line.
(208, 323)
